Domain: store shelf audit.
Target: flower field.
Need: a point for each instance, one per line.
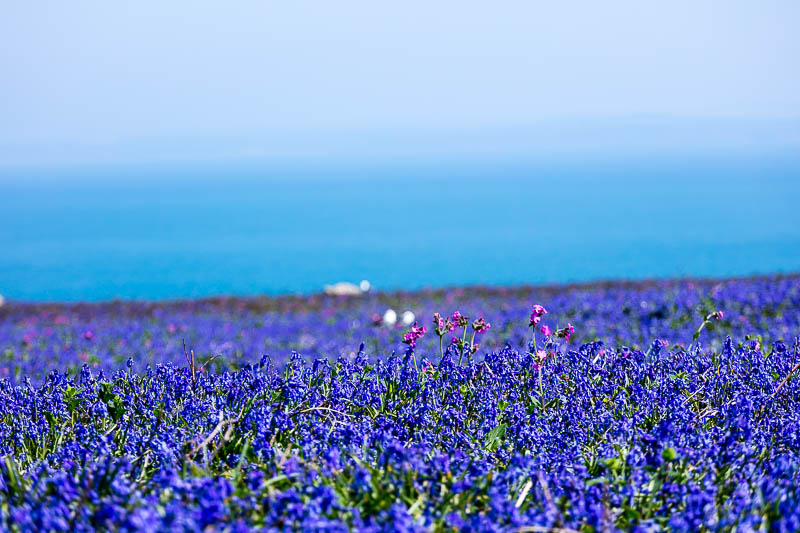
(620, 406)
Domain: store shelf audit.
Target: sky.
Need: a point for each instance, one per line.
(112, 82)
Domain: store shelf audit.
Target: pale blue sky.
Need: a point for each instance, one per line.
(99, 82)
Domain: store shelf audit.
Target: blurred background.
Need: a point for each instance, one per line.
(187, 149)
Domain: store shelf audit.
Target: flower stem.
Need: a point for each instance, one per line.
(541, 388)
(463, 337)
(697, 333)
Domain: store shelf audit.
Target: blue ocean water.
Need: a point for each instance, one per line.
(168, 232)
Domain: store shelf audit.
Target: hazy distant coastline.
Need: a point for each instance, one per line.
(266, 302)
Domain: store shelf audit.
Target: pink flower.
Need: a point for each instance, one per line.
(459, 320)
(716, 315)
(539, 358)
(566, 332)
(413, 334)
(536, 314)
(171, 328)
(547, 331)
(88, 335)
(480, 325)
(441, 325)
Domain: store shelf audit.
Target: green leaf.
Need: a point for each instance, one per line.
(71, 398)
(495, 437)
(669, 454)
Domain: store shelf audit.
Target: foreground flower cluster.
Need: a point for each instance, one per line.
(552, 432)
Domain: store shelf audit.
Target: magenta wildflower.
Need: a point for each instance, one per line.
(565, 333)
(88, 335)
(413, 334)
(442, 325)
(460, 320)
(536, 314)
(480, 325)
(716, 315)
(547, 331)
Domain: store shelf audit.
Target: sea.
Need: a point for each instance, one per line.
(170, 231)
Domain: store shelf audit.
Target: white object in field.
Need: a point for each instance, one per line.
(2, 300)
(389, 317)
(408, 318)
(342, 288)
